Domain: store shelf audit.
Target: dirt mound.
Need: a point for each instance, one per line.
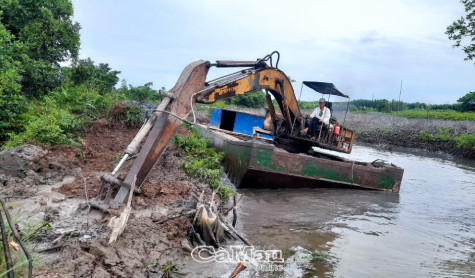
(103, 144)
(24, 168)
(56, 181)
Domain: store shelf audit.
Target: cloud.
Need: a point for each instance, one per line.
(365, 47)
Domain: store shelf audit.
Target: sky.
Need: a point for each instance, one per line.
(365, 47)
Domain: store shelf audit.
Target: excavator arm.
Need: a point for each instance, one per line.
(176, 106)
(270, 80)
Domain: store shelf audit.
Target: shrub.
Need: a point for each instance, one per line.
(59, 117)
(11, 107)
(126, 113)
(438, 114)
(84, 101)
(253, 100)
(202, 162)
(466, 140)
(143, 93)
(442, 134)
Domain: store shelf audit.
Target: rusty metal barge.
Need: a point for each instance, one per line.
(254, 161)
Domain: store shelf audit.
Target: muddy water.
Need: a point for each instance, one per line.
(427, 230)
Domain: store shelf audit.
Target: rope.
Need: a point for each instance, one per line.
(178, 117)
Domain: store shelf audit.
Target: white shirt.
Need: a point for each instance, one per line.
(325, 114)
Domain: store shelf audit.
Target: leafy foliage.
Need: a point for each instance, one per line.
(467, 101)
(442, 134)
(59, 117)
(48, 37)
(466, 140)
(251, 100)
(10, 68)
(380, 105)
(11, 107)
(126, 113)
(143, 93)
(203, 162)
(464, 28)
(462, 140)
(100, 77)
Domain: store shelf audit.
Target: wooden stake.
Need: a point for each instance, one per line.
(231, 207)
(6, 249)
(16, 235)
(240, 267)
(234, 211)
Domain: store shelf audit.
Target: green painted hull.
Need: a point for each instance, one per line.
(258, 163)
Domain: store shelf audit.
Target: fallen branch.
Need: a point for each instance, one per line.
(234, 231)
(174, 216)
(39, 228)
(198, 207)
(51, 248)
(58, 238)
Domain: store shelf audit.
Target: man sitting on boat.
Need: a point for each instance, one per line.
(320, 116)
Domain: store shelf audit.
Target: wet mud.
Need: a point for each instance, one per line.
(55, 185)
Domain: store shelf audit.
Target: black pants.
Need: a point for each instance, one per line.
(315, 126)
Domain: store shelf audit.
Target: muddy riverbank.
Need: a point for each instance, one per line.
(52, 187)
(388, 131)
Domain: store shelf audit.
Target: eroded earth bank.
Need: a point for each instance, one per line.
(48, 191)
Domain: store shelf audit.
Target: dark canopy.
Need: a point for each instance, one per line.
(324, 88)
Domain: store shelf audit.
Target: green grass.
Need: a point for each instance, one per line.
(436, 114)
(202, 162)
(463, 140)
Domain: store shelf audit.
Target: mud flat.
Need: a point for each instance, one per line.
(388, 131)
(54, 186)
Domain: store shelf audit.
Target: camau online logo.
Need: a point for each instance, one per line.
(207, 254)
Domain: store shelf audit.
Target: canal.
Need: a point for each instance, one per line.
(425, 230)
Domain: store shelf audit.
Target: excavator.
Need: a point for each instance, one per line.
(287, 125)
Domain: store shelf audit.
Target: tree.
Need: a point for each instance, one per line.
(464, 28)
(12, 104)
(468, 101)
(100, 77)
(49, 36)
(144, 93)
(10, 69)
(254, 100)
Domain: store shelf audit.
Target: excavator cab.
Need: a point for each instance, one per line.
(334, 134)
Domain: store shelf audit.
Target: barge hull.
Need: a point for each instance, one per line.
(259, 164)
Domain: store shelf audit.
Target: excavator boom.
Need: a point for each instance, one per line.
(288, 125)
